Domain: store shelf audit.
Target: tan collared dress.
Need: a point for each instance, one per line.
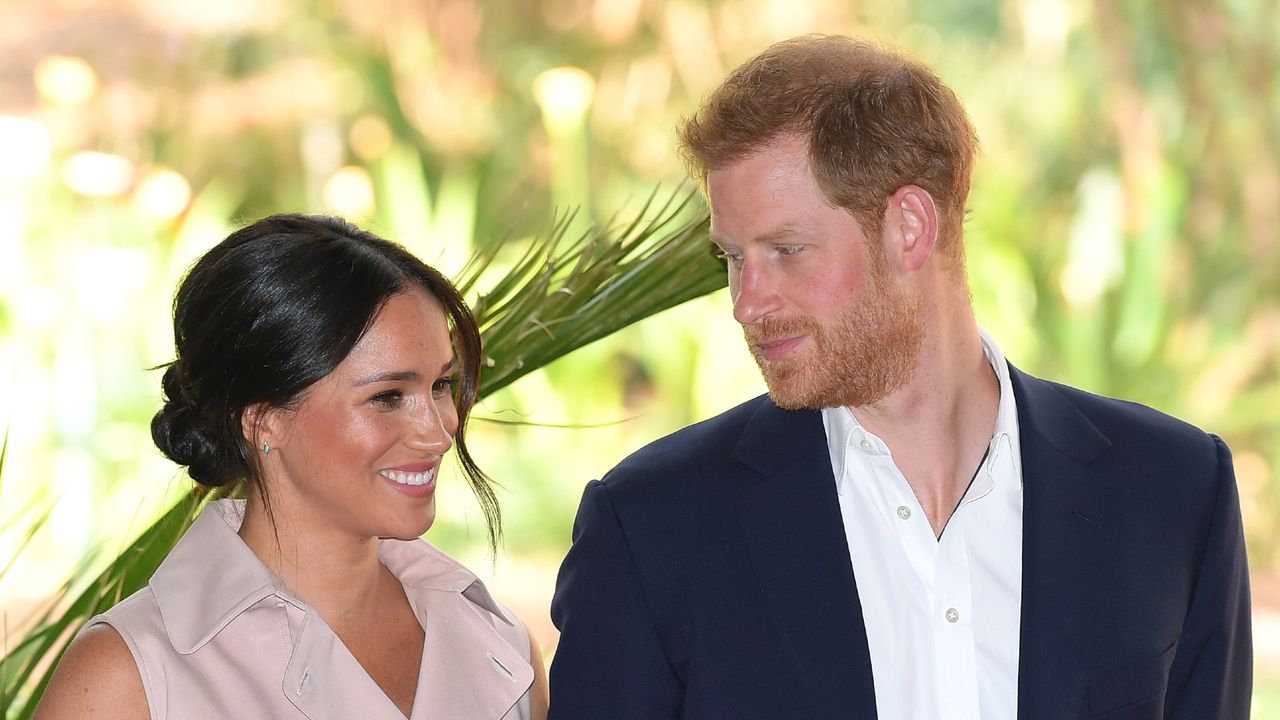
(215, 635)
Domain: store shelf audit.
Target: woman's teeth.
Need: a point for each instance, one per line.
(405, 478)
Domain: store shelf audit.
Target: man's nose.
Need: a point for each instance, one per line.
(754, 293)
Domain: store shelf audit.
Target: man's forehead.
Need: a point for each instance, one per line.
(786, 150)
(766, 195)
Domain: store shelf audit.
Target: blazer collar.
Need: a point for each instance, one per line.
(775, 439)
(1045, 412)
(1068, 534)
(790, 520)
(794, 534)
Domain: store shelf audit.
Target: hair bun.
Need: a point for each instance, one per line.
(187, 438)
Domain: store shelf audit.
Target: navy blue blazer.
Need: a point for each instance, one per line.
(710, 576)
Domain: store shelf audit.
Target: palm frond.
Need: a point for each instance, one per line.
(33, 519)
(560, 294)
(565, 293)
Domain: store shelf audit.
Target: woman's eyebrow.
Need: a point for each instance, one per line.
(392, 375)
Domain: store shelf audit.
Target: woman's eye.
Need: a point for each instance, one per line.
(388, 399)
(444, 385)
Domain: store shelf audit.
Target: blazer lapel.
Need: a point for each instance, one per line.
(791, 523)
(794, 534)
(1064, 539)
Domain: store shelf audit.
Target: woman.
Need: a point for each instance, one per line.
(330, 371)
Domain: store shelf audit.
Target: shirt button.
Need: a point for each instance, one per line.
(904, 512)
(952, 615)
(866, 445)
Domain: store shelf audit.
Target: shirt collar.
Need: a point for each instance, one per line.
(846, 435)
(1004, 447)
(211, 577)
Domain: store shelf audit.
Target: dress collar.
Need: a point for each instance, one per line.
(211, 577)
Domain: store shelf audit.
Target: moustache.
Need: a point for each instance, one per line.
(772, 328)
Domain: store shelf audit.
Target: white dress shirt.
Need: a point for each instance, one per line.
(942, 615)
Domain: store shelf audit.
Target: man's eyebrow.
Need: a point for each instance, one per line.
(778, 233)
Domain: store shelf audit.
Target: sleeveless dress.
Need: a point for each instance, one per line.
(216, 635)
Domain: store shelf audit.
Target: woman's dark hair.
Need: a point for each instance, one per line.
(272, 309)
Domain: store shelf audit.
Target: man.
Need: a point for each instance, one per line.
(907, 527)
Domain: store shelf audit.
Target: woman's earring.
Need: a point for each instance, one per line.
(266, 448)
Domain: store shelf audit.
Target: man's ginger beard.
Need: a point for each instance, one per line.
(868, 352)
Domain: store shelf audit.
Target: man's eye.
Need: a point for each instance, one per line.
(729, 257)
(789, 249)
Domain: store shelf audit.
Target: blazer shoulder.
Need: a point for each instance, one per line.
(1124, 418)
(699, 448)
(1129, 429)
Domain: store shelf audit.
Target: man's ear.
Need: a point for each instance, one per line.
(911, 220)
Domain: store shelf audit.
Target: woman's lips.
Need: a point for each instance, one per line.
(413, 479)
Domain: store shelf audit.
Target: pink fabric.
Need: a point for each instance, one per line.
(215, 635)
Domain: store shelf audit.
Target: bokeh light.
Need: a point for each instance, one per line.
(564, 94)
(97, 174)
(370, 137)
(24, 146)
(349, 192)
(162, 194)
(65, 80)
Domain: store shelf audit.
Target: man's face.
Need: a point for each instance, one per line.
(824, 313)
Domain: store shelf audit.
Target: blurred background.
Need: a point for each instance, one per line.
(1122, 235)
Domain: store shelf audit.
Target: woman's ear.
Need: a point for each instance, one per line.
(259, 423)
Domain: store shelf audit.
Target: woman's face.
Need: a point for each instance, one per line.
(359, 454)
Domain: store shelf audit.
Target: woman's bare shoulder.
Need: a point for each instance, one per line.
(97, 677)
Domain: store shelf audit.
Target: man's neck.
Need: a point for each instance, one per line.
(939, 423)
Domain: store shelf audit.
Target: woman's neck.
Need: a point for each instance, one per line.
(336, 574)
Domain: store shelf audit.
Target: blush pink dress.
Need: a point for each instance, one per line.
(216, 635)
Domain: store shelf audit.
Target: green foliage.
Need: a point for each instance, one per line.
(560, 295)
(1122, 232)
(563, 294)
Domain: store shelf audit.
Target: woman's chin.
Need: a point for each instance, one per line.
(411, 528)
